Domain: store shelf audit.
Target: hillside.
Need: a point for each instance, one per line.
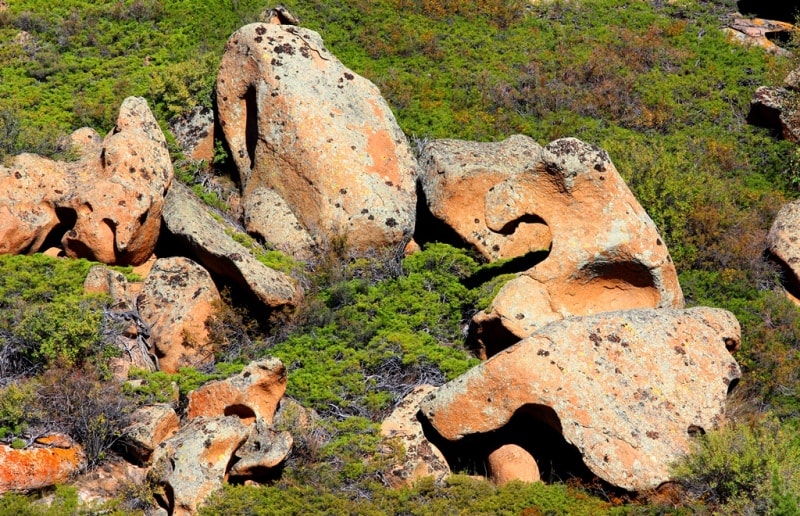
(657, 85)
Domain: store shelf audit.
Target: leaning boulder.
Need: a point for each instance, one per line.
(628, 389)
(52, 462)
(300, 123)
(511, 198)
(190, 222)
(150, 425)
(107, 203)
(177, 299)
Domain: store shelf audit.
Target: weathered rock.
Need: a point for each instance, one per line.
(511, 462)
(753, 32)
(265, 448)
(194, 133)
(106, 482)
(776, 108)
(421, 458)
(150, 425)
(108, 203)
(606, 253)
(39, 466)
(177, 299)
(628, 388)
(290, 236)
(251, 395)
(192, 464)
(782, 242)
(187, 218)
(102, 280)
(456, 176)
(121, 191)
(299, 123)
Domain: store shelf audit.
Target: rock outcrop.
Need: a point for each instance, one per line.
(605, 252)
(782, 243)
(52, 461)
(178, 298)
(753, 32)
(107, 204)
(188, 220)
(301, 124)
(628, 389)
(420, 458)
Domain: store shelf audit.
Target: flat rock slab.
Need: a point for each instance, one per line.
(629, 388)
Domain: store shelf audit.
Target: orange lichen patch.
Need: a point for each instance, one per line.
(383, 152)
(35, 468)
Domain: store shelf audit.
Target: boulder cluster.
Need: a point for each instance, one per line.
(589, 350)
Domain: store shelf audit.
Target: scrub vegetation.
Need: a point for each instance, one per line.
(655, 83)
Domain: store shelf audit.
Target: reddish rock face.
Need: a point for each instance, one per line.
(109, 201)
(515, 197)
(178, 297)
(40, 466)
(629, 388)
(421, 458)
(299, 123)
(253, 394)
(149, 426)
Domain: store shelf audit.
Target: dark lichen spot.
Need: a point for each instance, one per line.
(260, 30)
(519, 316)
(595, 338)
(391, 222)
(679, 350)
(286, 48)
(364, 211)
(543, 353)
(652, 434)
(17, 175)
(477, 221)
(495, 248)
(343, 191)
(259, 39)
(348, 76)
(236, 257)
(613, 338)
(389, 183)
(371, 217)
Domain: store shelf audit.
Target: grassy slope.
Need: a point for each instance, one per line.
(669, 105)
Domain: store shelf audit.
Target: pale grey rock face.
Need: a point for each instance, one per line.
(300, 123)
(628, 388)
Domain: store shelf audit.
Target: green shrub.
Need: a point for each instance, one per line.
(746, 468)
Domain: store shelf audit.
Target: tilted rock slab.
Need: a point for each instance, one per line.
(629, 388)
(189, 220)
(606, 252)
(421, 458)
(178, 298)
(150, 425)
(109, 201)
(300, 123)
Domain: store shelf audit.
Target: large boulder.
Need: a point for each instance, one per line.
(189, 221)
(177, 299)
(108, 203)
(516, 196)
(149, 426)
(628, 389)
(299, 122)
(51, 462)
